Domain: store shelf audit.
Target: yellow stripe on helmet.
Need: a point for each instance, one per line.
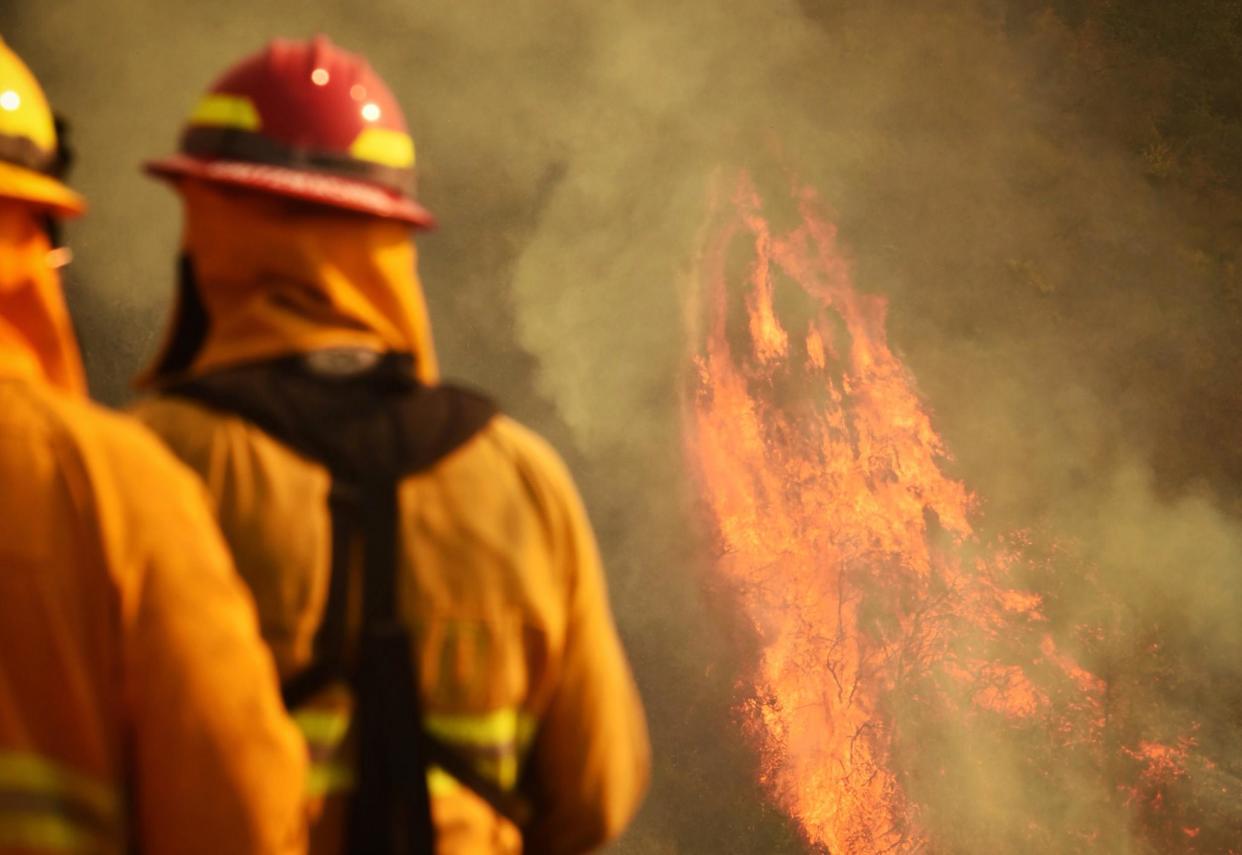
(385, 147)
(226, 111)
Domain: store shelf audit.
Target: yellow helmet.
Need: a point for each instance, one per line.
(29, 150)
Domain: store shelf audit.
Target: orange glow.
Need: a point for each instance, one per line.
(848, 549)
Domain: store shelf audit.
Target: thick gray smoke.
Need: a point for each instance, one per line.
(1042, 287)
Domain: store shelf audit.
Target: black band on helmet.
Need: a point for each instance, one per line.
(249, 147)
(21, 151)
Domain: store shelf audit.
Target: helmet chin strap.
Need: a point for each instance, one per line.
(59, 255)
(65, 153)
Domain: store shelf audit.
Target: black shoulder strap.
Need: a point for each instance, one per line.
(367, 425)
(371, 429)
(392, 800)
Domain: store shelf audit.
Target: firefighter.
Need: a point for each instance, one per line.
(136, 705)
(425, 573)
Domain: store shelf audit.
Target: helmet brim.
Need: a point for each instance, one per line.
(317, 187)
(26, 185)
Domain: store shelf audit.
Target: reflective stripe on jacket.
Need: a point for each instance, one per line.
(47, 806)
(494, 742)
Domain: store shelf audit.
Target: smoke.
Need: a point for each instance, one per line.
(1054, 299)
(1075, 342)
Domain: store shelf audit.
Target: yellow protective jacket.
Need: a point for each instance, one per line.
(137, 707)
(520, 664)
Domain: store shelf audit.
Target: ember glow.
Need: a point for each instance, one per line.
(889, 635)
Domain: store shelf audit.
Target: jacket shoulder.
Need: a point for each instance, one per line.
(120, 443)
(81, 429)
(180, 421)
(140, 493)
(544, 477)
(528, 450)
(99, 481)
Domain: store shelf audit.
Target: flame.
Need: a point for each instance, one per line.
(808, 501)
(851, 552)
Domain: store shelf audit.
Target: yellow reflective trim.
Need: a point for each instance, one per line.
(33, 774)
(384, 146)
(328, 778)
(325, 729)
(507, 771)
(49, 833)
(489, 730)
(503, 772)
(441, 783)
(226, 111)
(322, 727)
(526, 726)
(505, 732)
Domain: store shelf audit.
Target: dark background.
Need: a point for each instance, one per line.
(1048, 192)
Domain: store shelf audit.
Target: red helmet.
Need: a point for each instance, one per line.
(305, 120)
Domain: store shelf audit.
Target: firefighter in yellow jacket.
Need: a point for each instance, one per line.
(424, 571)
(136, 707)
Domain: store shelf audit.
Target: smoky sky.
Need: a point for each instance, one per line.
(1076, 350)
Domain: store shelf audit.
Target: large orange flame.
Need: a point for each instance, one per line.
(848, 548)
